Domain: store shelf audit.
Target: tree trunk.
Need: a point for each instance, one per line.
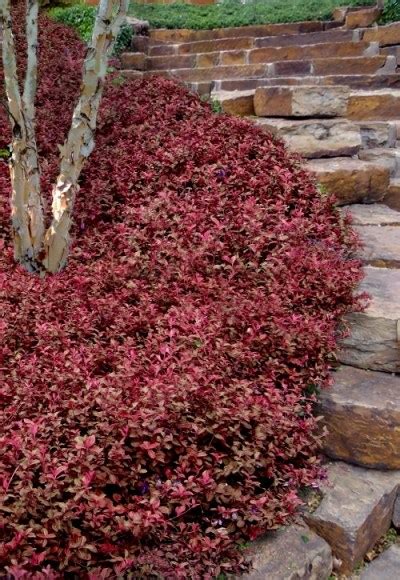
(26, 204)
(36, 249)
(80, 141)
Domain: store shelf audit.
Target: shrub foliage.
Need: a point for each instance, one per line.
(82, 17)
(155, 399)
(223, 14)
(391, 11)
(237, 13)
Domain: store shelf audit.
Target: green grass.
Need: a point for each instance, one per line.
(233, 13)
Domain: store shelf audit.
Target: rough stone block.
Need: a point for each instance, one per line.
(208, 59)
(217, 45)
(349, 66)
(308, 51)
(351, 180)
(235, 102)
(356, 511)
(294, 553)
(302, 39)
(385, 35)
(172, 62)
(376, 214)
(378, 134)
(385, 567)
(134, 60)
(389, 158)
(361, 411)
(381, 246)
(362, 18)
(232, 57)
(392, 198)
(222, 72)
(316, 137)
(374, 334)
(301, 101)
(374, 105)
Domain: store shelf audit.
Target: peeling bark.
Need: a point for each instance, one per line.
(80, 141)
(36, 249)
(26, 204)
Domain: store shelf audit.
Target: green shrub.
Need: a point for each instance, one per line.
(234, 13)
(81, 18)
(391, 11)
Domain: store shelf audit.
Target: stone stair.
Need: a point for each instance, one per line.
(331, 91)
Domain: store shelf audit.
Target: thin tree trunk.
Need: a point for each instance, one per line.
(36, 249)
(26, 204)
(80, 141)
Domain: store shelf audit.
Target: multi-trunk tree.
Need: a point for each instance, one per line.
(39, 248)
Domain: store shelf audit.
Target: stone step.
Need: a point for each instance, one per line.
(303, 101)
(385, 35)
(203, 46)
(240, 56)
(378, 227)
(374, 335)
(258, 31)
(355, 82)
(355, 512)
(384, 567)
(381, 81)
(290, 553)
(314, 138)
(374, 105)
(381, 245)
(361, 411)
(375, 214)
(319, 66)
(351, 180)
(367, 105)
(248, 42)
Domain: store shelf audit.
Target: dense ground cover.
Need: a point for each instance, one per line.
(224, 14)
(156, 396)
(234, 13)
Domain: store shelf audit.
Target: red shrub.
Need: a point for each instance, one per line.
(155, 405)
